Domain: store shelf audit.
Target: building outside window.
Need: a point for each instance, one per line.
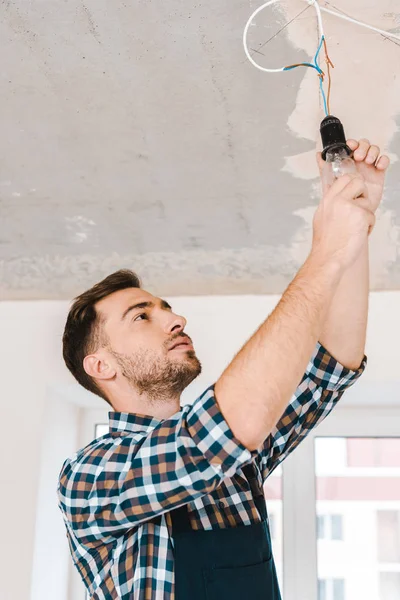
(358, 493)
(330, 527)
(331, 589)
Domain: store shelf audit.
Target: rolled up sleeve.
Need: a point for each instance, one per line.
(322, 386)
(329, 374)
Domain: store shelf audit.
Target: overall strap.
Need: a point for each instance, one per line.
(180, 516)
(180, 520)
(250, 472)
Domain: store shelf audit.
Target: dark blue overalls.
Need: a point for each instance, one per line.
(225, 564)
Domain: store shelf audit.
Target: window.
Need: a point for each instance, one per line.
(389, 586)
(331, 589)
(370, 452)
(273, 490)
(322, 593)
(101, 429)
(388, 530)
(357, 490)
(272, 525)
(329, 527)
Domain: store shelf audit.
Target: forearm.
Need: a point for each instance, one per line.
(344, 330)
(255, 389)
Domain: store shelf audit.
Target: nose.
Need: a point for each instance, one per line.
(175, 323)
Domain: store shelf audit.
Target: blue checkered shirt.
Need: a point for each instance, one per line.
(117, 492)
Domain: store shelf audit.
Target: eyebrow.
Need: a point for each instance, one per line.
(163, 304)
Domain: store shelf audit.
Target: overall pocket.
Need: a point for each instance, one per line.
(255, 582)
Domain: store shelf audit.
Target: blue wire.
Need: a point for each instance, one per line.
(321, 85)
(319, 71)
(317, 53)
(303, 65)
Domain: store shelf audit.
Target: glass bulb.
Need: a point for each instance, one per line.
(341, 162)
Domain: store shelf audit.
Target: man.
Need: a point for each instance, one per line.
(169, 504)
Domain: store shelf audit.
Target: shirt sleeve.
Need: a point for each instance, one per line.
(123, 480)
(322, 386)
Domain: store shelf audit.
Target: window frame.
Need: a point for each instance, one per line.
(300, 534)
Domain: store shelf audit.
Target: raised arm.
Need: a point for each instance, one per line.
(255, 389)
(345, 327)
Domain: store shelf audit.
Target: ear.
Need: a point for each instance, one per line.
(99, 366)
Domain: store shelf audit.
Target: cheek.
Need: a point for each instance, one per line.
(141, 340)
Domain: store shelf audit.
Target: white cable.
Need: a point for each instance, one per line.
(255, 13)
(319, 16)
(351, 20)
(320, 27)
(245, 46)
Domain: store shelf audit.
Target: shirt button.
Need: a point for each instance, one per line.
(221, 505)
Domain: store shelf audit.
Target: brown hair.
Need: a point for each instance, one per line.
(83, 333)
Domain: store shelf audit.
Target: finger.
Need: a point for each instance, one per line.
(367, 215)
(362, 150)
(362, 202)
(373, 154)
(320, 162)
(352, 144)
(325, 172)
(342, 182)
(383, 163)
(356, 188)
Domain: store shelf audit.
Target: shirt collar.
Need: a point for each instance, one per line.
(123, 421)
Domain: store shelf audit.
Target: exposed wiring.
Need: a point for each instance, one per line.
(282, 69)
(396, 36)
(321, 87)
(315, 64)
(321, 75)
(304, 64)
(329, 64)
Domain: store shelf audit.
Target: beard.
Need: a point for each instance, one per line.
(158, 377)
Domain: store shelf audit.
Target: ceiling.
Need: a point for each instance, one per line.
(136, 134)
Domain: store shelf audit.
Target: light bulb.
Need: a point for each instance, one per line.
(341, 162)
(335, 150)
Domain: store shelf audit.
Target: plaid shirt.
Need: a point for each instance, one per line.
(116, 493)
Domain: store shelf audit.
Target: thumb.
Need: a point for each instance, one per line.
(325, 173)
(320, 162)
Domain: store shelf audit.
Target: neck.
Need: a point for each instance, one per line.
(129, 400)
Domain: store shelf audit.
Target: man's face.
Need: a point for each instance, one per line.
(147, 343)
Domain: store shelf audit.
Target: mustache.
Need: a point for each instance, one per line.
(171, 340)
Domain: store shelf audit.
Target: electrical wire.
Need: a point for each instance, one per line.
(321, 76)
(320, 27)
(329, 64)
(313, 65)
(396, 36)
(289, 67)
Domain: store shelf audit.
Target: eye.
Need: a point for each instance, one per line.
(141, 317)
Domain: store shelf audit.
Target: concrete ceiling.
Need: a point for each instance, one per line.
(135, 134)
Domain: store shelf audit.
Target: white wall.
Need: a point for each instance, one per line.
(60, 438)
(36, 418)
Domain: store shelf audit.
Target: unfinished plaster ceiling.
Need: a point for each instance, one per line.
(136, 134)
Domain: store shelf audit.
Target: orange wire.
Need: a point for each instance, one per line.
(329, 64)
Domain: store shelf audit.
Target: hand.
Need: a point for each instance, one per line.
(342, 222)
(369, 165)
